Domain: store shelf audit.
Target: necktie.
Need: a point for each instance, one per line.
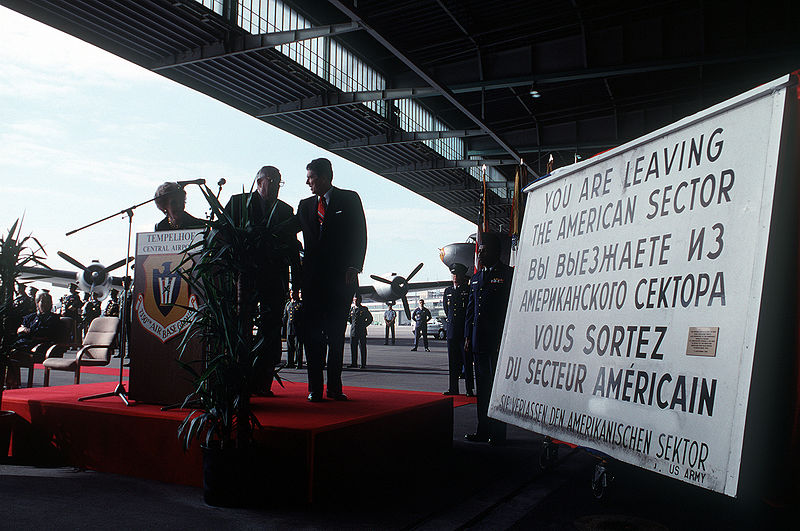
(321, 210)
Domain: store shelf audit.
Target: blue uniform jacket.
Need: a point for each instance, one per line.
(489, 291)
(454, 303)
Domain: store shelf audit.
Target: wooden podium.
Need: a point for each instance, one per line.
(158, 312)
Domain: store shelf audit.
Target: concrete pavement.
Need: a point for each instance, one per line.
(478, 487)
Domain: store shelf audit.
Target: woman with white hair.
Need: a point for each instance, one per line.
(171, 200)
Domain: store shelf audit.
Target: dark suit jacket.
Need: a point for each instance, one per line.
(279, 220)
(187, 221)
(340, 243)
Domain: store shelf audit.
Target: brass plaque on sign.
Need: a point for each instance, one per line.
(702, 341)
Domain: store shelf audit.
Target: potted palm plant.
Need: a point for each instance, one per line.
(15, 253)
(220, 268)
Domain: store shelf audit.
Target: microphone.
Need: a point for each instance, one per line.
(195, 181)
(221, 182)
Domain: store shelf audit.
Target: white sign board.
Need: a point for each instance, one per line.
(635, 300)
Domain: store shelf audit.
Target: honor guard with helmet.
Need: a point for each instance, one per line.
(454, 302)
(489, 291)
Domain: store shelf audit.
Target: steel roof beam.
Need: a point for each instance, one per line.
(444, 91)
(350, 98)
(442, 164)
(547, 148)
(405, 137)
(247, 43)
(338, 99)
(472, 186)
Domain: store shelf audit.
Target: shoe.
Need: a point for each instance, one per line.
(352, 365)
(450, 393)
(414, 349)
(461, 376)
(315, 398)
(291, 366)
(470, 394)
(299, 367)
(386, 343)
(427, 349)
(493, 441)
(363, 366)
(339, 397)
(476, 437)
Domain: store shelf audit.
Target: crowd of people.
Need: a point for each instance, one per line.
(37, 324)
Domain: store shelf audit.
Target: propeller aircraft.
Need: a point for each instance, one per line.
(394, 287)
(94, 278)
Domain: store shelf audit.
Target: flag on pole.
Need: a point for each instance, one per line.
(516, 201)
(520, 177)
(483, 220)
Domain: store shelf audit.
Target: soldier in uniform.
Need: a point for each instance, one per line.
(489, 291)
(455, 308)
(23, 305)
(292, 315)
(389, 318)
(91, 310)
(71, 307)
(360, 319)
(112, 307)
(421, 316)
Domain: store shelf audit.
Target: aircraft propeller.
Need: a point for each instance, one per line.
(95, 277)
(399, 287)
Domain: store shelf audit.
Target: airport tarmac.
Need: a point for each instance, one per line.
(477, 487)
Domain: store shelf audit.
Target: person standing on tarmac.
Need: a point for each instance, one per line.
(454, 302)
(421, 316)
(291, 321)
(389, 317)
(360, 319)
(490, 289)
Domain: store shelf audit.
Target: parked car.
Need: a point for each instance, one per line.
(437, 329)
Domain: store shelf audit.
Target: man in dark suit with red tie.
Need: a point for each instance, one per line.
(335, 240)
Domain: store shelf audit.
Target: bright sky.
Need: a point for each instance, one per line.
(84, 134)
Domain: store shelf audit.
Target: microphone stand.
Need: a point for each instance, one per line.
(220, 183)
(120, 390)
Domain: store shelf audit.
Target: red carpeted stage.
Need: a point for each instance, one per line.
(313, 450)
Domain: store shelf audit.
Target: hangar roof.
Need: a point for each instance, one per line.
(427, 92)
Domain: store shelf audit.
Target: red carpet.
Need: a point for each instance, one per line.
(104, 435)
(458, 400)
(109, 371)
